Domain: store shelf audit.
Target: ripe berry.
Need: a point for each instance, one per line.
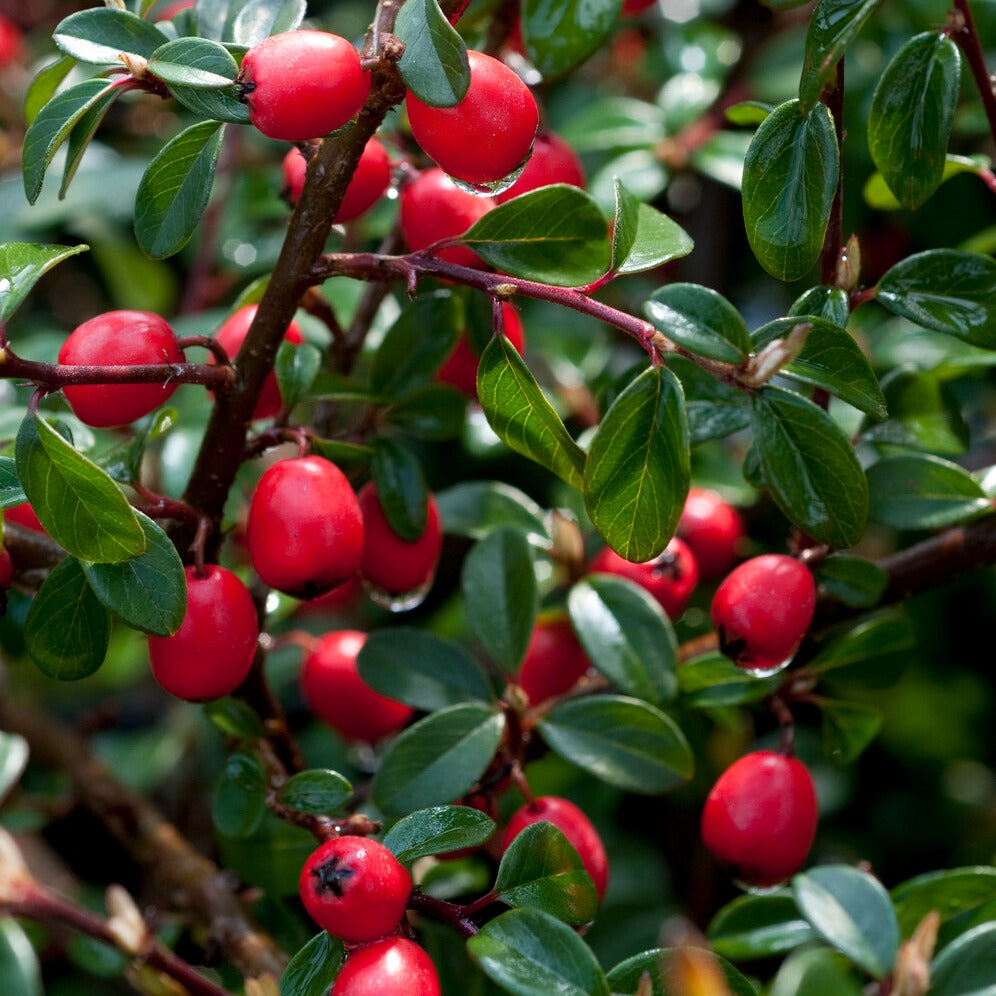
(393, 966)
(573, 824)
(304, 529)
(554, 660)
(434, 208)
(460, 368)
(119, 338)
(670, 577)
(335, 692)
(212, 651)
(355, 888)
(11, 41)
(552, 161)
(302, 84)
(631, 8)
(713, 530)
(762, 610)
(23, 515)
(760, 817)
(371, 179)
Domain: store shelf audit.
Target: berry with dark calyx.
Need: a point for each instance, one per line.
(552, 161)
(211, 653)
(393, 966)
(762, 610)
(459, 369)
(573, 824)
(670, 577)
(555, 660)
(335, 692)
(302, 84)
(304, 529)
(355, 888)
(119, 338)
(760, 818)
(713, 530)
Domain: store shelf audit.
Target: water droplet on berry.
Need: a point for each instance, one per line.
(758, 890)
(492, 187)
(764, 669)
(395, 601)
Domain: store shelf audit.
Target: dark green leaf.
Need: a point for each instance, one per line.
(437, 831)
(622, 741)
(434, 66)
(701, 320)
(714, 409)
(314, 967)
(642, 237)
(878, 195)
(196, 63)
(759, 927)
(832, 27)
(11, 492)
(887, 635)
(258, 19)
(828, 303)
(124, 460)
(433, 412)
(19, 969)
(637, 472)
(852, 580)
(44, 85)
(561, 34)
(234, 718)
(22, 265)
(848, 728)
(238, 802)
(221, 105)
(316, 790)
(296, 367)
(82, 134)
(341, 452)
(401, 488)
(714, 680)
(967, 966)
(790, 176)
(101, 34)
(626, 978)
(476, 508)
(814, 972)
(948, 892)
(67, 630)
(13, 759)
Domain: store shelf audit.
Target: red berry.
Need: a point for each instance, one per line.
(554, 660)
(11, 41)
(552, 161)
(713, 530)
(631, 8)
(393, 966)
(488, 134)
(120, 339)
(760, 817)
(168, 11)
(355, 888)
(23, 515)
(335, 692)
(573, 824)
(460, 368)
(212, 651)
(670, 577)
(302, 84)
(371, 179)
(304, 529)
(231, 335)
(434, 208)
(6, 568)
(762, 610)
(340, 598)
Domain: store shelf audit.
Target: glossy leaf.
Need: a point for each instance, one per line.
(701, 320)
(833, 26)
(790, 176)
(99, 35)
(714, 680)
(221, 105)
(476, 508)
(815, 972)
(314, 967)
(234, 718)
(316, 790)
(124, 461)
(19, 969)
(437, 831)
(828, 303)
(433, 412)
(848, 728)
(434, 65)
(642, 237)
(44, 85)
(238, 802)
(560, 34)
(759, 926)
(622, 741)
(880, 637)
(967, 966)
(878, 195)
(637, 472)
(852, 580)
(627, 977)
(810, 467)
(948, 892)
(11, 492)
(296, 367)
(713, 409)
(82, 134)
(258, 19)
(197, 63)
(13, 760)
(401, 488)
(22, 265)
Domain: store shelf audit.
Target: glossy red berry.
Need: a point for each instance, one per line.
(573, 824)
(631, 8)
(369, 182)
(459, 369)
(210, 654)
(762, 610)
(670, 577)
(555, 660)
(23, 515)
(433, 207)
(713, 530)
(393, 966)
(335, 692)
(302, 84)
(11, 41)
(552, 161)
(760, 817)
(304, 529)
(119, 338)
(355, 888)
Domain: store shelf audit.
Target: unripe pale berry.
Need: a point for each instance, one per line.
(760, 817)
(552, 161)
(119, 338)
(304, 529)
(393, 966)
(211, 653)
(302, 84)
(335, 692)
(355, 888)
(459, 369)
(713, 530)
(762, 610)
(554, 661)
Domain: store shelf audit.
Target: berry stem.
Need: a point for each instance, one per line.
(456, 916)
(961, 29)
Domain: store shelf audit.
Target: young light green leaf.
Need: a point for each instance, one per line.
(434, 66)
(99, 35)
(627, 978)
(560, 34)
(316, 790)
(258, 19)
(877, 194)
(437, 831)
(701, 320)
(22, 265)
(401, 489)
(643, 237)
(833, 26)
(758, 927)
(197, 63)
(312, 971)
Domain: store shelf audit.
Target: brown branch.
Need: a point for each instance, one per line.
(833, 98)
(963, 32)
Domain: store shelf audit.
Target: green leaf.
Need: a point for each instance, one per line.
(434, 65)
(296, 367)
(810, 467)
(759, 926)
(714, 409)
(918, 491)
(852, 911)
(420, 669)
(627, 635)
(542, 870)
(833, 26)
(238, 802)
(401, 488)
(22, 265)
(701, 320)
(948, 892)
(714, 680)
(476, 508)
(499, 588)
(437, 759)
(258, 19)
(220, 105)
(911, 114)
(627, 977)
(637, 473)
(622, 741)
(175, 189)
(878, 195)
(318, 791)
(44, 85)
(848, 728)
(560, 34)
(82, 134)
(101, 34)
(434, 412)
(790, 176)
(19, 969)
(828, 303)
(234, 718)
(81, 508)
(124, 460)
(196, 63)
(814, 972)
(438, 830)
(312, 970)
(879, 638)
(555, 235)
(967, 966)
(67, 630)
(642, 237)
(148, 591)
(11, 492)
(530, 953)
(852, 580)
(13, 760)
(947, 290)
(520, 414)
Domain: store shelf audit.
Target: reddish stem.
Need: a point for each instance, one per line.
(964, 34)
